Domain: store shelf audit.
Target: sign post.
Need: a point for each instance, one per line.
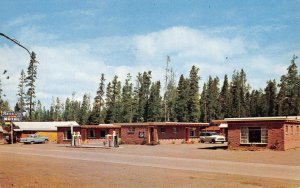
(9, 118)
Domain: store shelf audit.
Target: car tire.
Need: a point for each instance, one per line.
(31, 142)
(213, 141)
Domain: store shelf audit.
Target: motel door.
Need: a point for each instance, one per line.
(187, 134)
(151, 132)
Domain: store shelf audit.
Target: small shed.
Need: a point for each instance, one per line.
(49, 129)
(278, 133)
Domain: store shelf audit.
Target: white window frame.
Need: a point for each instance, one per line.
(244, 136)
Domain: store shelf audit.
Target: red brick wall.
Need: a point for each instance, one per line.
(133, 138)
(275, 134)
(291, 135)
(169, 134)
(60, 134)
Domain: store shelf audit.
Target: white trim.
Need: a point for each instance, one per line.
(223, 125)
(285, 118)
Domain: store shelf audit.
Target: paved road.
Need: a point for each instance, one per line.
(200, 165)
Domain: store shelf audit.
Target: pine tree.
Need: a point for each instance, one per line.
(142, 92)
(21, 92)
(127, 101)
(213, 105)
(238, 90)
(181, 109)
(109, 104)
(288, 96)
(58, 109)
(98, 106)
(256, 100)
(224, 99)
(170, 97)
(30, 83)
(67, 112)
(85, 110)
(204, 104)
(38, 112)
(154, 103)
(193, 98)
(270, 98)
(116, 97)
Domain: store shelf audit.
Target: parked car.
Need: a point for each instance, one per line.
(33, 138)
(211, 137)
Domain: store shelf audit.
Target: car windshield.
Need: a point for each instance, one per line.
(214, 134)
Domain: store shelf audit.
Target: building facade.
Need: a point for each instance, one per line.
(278, 133)
(160, 132)
(135, 133)
(89, 133)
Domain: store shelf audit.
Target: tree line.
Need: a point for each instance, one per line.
(145, 100)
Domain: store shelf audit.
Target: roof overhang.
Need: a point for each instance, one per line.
(278, 118)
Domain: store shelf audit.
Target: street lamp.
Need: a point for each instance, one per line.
(16, 42)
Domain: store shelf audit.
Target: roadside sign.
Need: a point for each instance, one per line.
(12, 116)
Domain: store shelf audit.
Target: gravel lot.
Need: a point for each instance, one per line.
(52, 165)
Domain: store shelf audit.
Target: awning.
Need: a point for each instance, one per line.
(223, 125)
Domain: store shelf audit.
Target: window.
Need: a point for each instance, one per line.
(163, 129)
(193, 132)
(91, 133)
(292, 129)
(131, 130)
(174, 129)
(67, 135)
(102, 133)
(254, 135)
(286, 129)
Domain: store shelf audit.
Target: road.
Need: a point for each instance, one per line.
(198, 165)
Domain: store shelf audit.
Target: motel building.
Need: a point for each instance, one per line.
(277, 133)
(135, 133)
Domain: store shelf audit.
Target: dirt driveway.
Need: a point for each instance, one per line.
(183, 165)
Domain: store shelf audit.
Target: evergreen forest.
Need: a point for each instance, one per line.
(142, 99)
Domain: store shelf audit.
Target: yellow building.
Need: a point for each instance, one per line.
(48, 129)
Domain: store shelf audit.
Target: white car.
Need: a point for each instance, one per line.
(211, 137)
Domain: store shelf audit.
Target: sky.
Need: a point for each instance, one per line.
(77, 41)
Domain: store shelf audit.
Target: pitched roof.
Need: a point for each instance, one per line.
(43, 126)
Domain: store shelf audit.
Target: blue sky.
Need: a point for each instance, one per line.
(76, 41)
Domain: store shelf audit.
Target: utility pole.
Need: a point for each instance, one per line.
(166, 88)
